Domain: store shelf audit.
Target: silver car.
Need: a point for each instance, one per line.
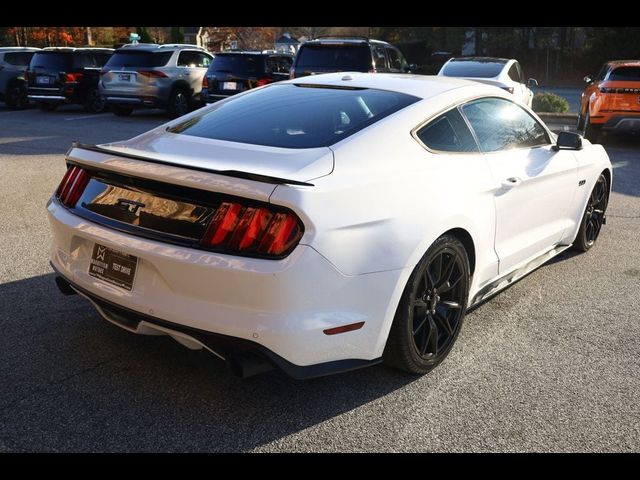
(13, 63)
(154, 76)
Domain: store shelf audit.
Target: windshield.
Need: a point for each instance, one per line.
(138, 59)
(57, 61)
(336, 57)
(293, 116)
(465, 68)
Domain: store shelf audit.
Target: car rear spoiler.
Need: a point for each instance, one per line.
(228, 173)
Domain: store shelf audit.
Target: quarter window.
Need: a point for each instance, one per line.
(502, 125)
(448, 133)
(379, 57)
(193, 59)
(395, 63)
(514, 73)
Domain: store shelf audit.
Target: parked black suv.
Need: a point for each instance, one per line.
(14, 61)
(67, 75)
(234, 72)
(347, 54)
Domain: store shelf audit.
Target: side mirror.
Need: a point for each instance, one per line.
(532, 82)
(588, 79)
(568, 141)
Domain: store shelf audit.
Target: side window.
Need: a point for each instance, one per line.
(394, 59)
(448, 133)
(602, 73)
(514, 74)
(285, 64)
(205, 60)
(502, 125)
(272, 65)
(379, 57)
(21, 59)
(192, 59)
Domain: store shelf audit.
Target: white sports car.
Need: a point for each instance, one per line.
(325, 223)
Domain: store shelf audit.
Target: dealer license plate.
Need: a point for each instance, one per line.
(113, 266)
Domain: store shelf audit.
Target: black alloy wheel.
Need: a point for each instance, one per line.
(431, 310)
(179, 103)
(594, 215)
(94, 103)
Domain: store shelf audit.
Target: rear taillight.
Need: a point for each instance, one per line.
(508, 89)
(255, 230)
(73, 183)
(263, 81)
(205, 82)
(152, 74)
(73, 77)
(619, 90)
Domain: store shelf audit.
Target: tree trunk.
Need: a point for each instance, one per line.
(89, 39)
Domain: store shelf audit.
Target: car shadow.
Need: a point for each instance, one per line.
(87, 385)
(626, 165)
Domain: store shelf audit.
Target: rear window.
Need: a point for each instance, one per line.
(472, 69)
(242, 65)
(20, 59)
(628, 74)
(338, 57)
(279, 115)
(57, 61)
(138, 59)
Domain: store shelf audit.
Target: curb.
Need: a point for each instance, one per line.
(550, 117)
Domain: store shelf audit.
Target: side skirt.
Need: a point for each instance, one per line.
(504, 281)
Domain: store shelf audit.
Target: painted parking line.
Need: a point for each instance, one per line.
(84, 117)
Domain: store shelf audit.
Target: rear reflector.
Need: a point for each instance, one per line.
(344, 328)
(73, 183)
(256, 230)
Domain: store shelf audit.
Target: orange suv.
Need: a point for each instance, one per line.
(611, 100)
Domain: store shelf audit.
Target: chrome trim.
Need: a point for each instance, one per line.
(47, 97)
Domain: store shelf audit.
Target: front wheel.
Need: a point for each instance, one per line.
(593, 217)
(431, 310)
(179, 103)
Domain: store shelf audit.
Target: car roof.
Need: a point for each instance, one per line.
(337, 40)
(626, 63)
(422, 86)
(74, 49)
(481, 59)
(19, 49)
(155, 47)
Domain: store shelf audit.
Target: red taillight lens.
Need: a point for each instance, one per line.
(152, 74)
(263, 81)
(508, 89)
(73, 183)
(73, 77)
(205, 82)
(256, 230)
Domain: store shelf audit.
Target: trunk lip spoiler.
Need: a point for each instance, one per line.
(257, 177)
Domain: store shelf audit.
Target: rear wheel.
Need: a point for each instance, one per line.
(179, 103)
(592, 132)
(593, 217)
(94, 103)
(47, 107)
(16, 95)
(121, 110)
(431, 310)
(580, 125)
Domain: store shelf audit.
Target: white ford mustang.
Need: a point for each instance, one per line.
(325, 223)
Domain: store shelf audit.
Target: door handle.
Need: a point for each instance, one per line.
(511, 182)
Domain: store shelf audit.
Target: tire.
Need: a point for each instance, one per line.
(426, 326)
(47, 107)
(16, 95)
(93, 102)
(179, 103)
(592, 132)
(121, 110)
(593, 216)
(580, 124)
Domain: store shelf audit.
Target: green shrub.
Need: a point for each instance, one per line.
(549, 102)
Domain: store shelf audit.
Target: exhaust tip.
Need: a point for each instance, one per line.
(64, 287)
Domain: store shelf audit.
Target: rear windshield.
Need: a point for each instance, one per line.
(472, 69)
(57, 61)
(337, 57)
(20, 59)
(244, 65)
(138, 59)
(629, 74)
(293, 116)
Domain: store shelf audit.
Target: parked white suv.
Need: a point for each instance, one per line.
(501, 72)
(154, 76)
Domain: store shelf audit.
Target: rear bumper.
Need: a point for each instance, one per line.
(134, 101)
(281, 306)
(48, 98)
(623, 123)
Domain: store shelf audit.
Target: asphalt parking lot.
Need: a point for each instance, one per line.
(551, 364)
